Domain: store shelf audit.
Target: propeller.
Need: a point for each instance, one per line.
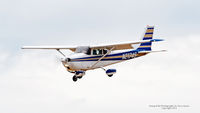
(58, 59)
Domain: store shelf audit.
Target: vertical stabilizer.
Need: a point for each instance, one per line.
(147, 36)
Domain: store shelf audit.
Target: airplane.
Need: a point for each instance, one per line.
(86, 58)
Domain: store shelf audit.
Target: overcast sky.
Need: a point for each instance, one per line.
(34, 81)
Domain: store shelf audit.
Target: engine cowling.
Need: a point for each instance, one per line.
(110, 72)
(65, 60)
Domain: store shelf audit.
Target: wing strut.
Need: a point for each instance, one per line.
(61, 52)
(102, 58)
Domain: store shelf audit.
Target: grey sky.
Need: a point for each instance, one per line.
(34, 81)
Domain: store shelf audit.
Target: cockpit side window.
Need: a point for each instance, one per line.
(94, 52)
(99, 51)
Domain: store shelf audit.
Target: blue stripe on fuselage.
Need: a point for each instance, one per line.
(144, 48)
(106, 58)
(147, 43)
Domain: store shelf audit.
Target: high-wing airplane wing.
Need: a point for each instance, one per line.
(50, 47)
(120, 46)
(126, 45)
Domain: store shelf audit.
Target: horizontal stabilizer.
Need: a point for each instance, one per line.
(152, 51)
(156, 40)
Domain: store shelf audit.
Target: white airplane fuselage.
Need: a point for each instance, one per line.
(82, 61)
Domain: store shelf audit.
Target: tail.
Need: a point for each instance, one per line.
(147, 36)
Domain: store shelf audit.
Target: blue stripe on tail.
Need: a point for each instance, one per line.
(148, 35)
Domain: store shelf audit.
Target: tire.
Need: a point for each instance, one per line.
(110, 75)
(74, 78)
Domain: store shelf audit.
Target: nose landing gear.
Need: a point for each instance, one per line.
(74, 78)
(78, 75)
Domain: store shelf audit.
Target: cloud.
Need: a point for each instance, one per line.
(36, 82)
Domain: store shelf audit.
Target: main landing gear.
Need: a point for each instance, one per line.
(80, 74)
(110, 72)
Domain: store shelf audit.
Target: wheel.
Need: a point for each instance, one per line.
(79, 77)
(74, 78)
(110, 75)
